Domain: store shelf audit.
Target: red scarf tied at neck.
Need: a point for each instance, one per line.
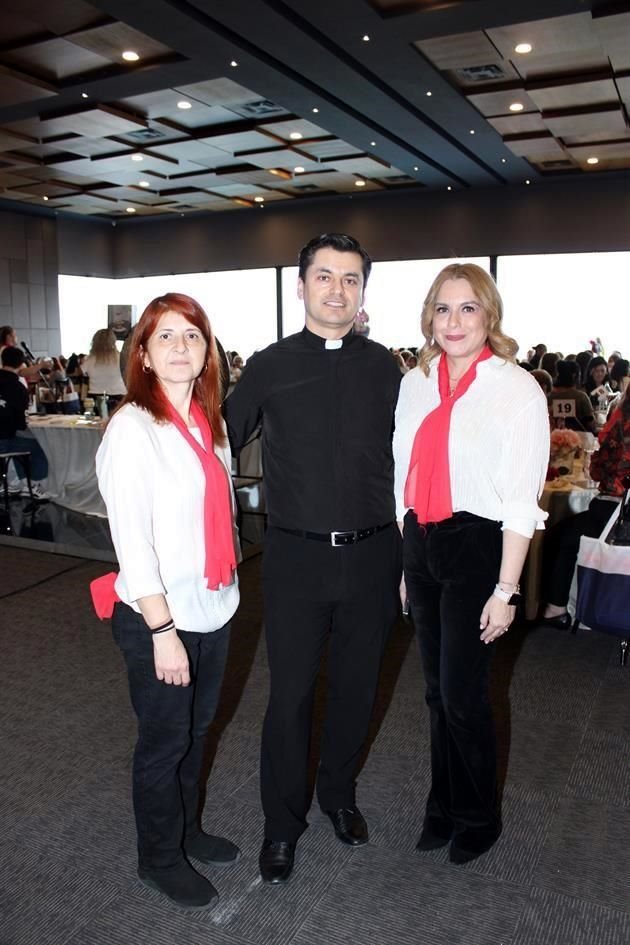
(428, 486)
(217, 502)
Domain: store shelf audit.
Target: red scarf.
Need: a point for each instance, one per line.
(217, 501)
(428, 486)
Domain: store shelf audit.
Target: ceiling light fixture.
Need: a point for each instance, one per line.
(184, 105)
(130, 209)
(528, 181)
(523, 48)
(234, 63)
(298, 170)
(45, 197)
(373, 143)
(416, 168)
(137, 157)
(259, 199)
(449, 187)
(592, 160)
(472, 131)
(365, 38)
(144, 183)
(503, 160)
(84, 95)
(316, 111)
(296, 136)
(359, 183)
(429, 94)
(130, 56)
(517, 107)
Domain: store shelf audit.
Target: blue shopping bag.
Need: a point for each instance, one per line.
(603, 583)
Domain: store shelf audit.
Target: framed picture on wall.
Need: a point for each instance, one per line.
(120, 319)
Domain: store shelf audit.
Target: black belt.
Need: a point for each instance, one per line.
(337, 538)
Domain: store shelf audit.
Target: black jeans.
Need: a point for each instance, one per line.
(451, 569)
(173, 724)
(315, 594)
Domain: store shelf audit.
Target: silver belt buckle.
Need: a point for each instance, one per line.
(334, 535)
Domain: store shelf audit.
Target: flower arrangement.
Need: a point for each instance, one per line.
(564, 441)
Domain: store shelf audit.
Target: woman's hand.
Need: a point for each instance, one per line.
(171, 659)
(496, 618)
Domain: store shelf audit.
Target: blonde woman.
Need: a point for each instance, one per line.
(471, 449)
(102, 365)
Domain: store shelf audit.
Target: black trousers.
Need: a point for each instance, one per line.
(451, 569)
(173, 724)
(314, 594)
(562, 543)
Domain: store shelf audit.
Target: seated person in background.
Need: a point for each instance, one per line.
(567, 403)
(609, 465)
(9, 339)
(549, 361)
(13, 434)
(545, 380)
(597, 380)
(619, 375)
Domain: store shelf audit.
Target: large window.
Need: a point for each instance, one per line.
(241, 305)
(393, 299)
(565, 301)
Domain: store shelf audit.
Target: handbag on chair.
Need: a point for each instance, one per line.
(603, 584)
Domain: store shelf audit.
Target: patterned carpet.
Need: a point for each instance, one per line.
(558, 875)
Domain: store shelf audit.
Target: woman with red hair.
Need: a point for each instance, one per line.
(164, 472)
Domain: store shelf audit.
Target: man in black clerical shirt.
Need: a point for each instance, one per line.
(325, 398)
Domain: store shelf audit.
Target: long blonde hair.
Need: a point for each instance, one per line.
(103, 347)
(484, 288)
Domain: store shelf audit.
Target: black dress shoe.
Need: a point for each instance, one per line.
(350, 825)
(214, 851)
(436, 833)
(276, 861)
(469, 844)
(561, 622)
(182, 884)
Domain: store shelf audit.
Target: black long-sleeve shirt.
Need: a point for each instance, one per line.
(327, 420)
(13, 404)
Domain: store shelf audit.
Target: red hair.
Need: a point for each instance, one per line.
(144, 389)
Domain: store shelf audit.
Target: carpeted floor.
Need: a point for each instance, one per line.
(558, 875)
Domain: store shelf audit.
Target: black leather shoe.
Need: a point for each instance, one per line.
(214, 851)
(350, 825)
(276, 861)
(561, 622)
(470, 844)
(436, 833)
(182, 884)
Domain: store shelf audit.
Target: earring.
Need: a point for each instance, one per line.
(145, 369)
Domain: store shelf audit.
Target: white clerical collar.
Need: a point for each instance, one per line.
(332, 344)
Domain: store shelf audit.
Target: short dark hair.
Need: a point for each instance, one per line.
(340, 242)
(12, 357)
(567, 373)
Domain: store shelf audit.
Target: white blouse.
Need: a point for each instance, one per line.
(105, 376)
(498, 442)
(153, 486)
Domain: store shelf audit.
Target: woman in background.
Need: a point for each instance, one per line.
(164, 471)
(102, 366)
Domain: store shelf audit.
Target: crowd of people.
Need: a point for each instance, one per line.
(436, 517)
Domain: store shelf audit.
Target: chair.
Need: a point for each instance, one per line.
(5, 459)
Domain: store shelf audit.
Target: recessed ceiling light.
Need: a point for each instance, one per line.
(523, 48)
(144, 183)
(184, 105)
(296, 136)
(472, 131)
(359, 183)
(84, 95)
(298, 170)
(416, 168)
(316, 111)
(373, 143)
(137, 157)
(45, 197)
(259, 199)
(592, 160)
(517, 107)
(365, 38)
(234, 63)
(503, 160)
(528, 181)
(130, 209)
(429, 94)
(130, 56)
(449, 187)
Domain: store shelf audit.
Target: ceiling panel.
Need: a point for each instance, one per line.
(574, 94)
(609, 123)
(52, 60)
(110, 41)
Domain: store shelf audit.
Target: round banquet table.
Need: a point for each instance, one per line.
(70, 443)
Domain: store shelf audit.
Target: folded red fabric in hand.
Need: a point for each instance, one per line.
(104, 595)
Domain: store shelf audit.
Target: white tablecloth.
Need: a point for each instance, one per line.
(70, 445)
